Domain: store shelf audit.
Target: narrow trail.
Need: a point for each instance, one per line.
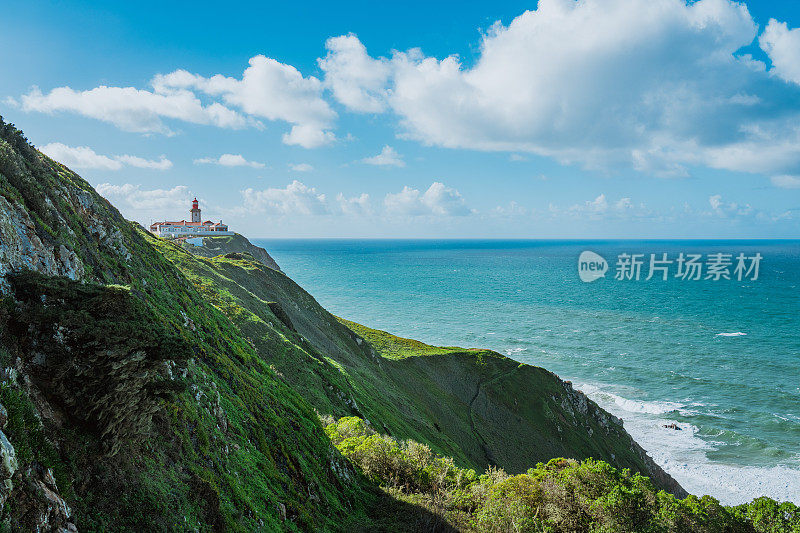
(490, 459)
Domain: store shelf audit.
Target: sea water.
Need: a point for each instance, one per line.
(719, 358)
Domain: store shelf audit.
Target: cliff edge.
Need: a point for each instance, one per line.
(236, 244)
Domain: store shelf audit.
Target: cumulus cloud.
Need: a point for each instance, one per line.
(657, 85)
(728, 209)
(308, 136)
(437, 200)
(601, 208)
(135, 197)
(301, 167)
(267, 89)
(388, 157)
(357, 205)
(83, 157)
(356, 80)
(132, 109)
(512, 209)
(786, 182)
(782, 45)
(660, 86)
(229, 160)
(295, 199)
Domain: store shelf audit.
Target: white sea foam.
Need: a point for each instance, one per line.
(513, 351)
(627, 405)
(734, 334)
(683, 454)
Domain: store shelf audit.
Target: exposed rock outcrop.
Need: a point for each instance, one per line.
(213, 246)
(22, 248)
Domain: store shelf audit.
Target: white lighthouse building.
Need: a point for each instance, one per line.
(193, 228)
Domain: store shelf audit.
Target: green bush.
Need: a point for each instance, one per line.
(562, 495)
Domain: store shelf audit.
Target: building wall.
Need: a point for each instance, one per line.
(179, 231)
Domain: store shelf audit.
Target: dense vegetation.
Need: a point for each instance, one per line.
(562, 495)
(146, 387)
(234, 447)
(476, 406)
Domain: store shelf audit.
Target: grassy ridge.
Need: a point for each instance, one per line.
(476, 406)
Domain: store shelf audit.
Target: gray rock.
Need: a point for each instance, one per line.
(8, 467)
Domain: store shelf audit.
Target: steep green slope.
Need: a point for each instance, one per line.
(138, 406)
(213, 246)
(476, 406)
(147, 388)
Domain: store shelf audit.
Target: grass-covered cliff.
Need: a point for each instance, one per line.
(214, 246)
(476, 406)
(191, 429)
(146, 387)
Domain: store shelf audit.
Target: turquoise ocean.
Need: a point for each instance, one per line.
(720, 358)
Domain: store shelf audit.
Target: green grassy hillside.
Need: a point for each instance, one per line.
(147, 388)
(213, 246)
(476, 406)
(206, 436)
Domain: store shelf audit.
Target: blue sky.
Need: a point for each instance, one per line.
(556, 119)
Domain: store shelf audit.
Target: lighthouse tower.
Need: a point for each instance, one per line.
(195, 211)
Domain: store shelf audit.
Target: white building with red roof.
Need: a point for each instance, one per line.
(193, 228)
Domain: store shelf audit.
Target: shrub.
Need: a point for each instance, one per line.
(562, 495)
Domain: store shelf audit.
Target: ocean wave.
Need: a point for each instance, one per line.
(683, 454)
(631, 406)
(734, 334)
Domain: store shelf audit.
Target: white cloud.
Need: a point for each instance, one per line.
(308, 137)
(730, 209)
(782, 45)
(156, 199)
(655, 85)
(132, 109)
(357, 205)
(599, 204)
(301, 167)
(437, 200)
(715, 201)
(387, 157)
(623, 204)
(229, 160)
(267, 89)
(295, 199)
(510, 210)
(356, 80)
(83, 157)
(660, 86)
(601, 208)
(786, 182)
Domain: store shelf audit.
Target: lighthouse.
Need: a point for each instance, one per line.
(195, 211)
(193, 228)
